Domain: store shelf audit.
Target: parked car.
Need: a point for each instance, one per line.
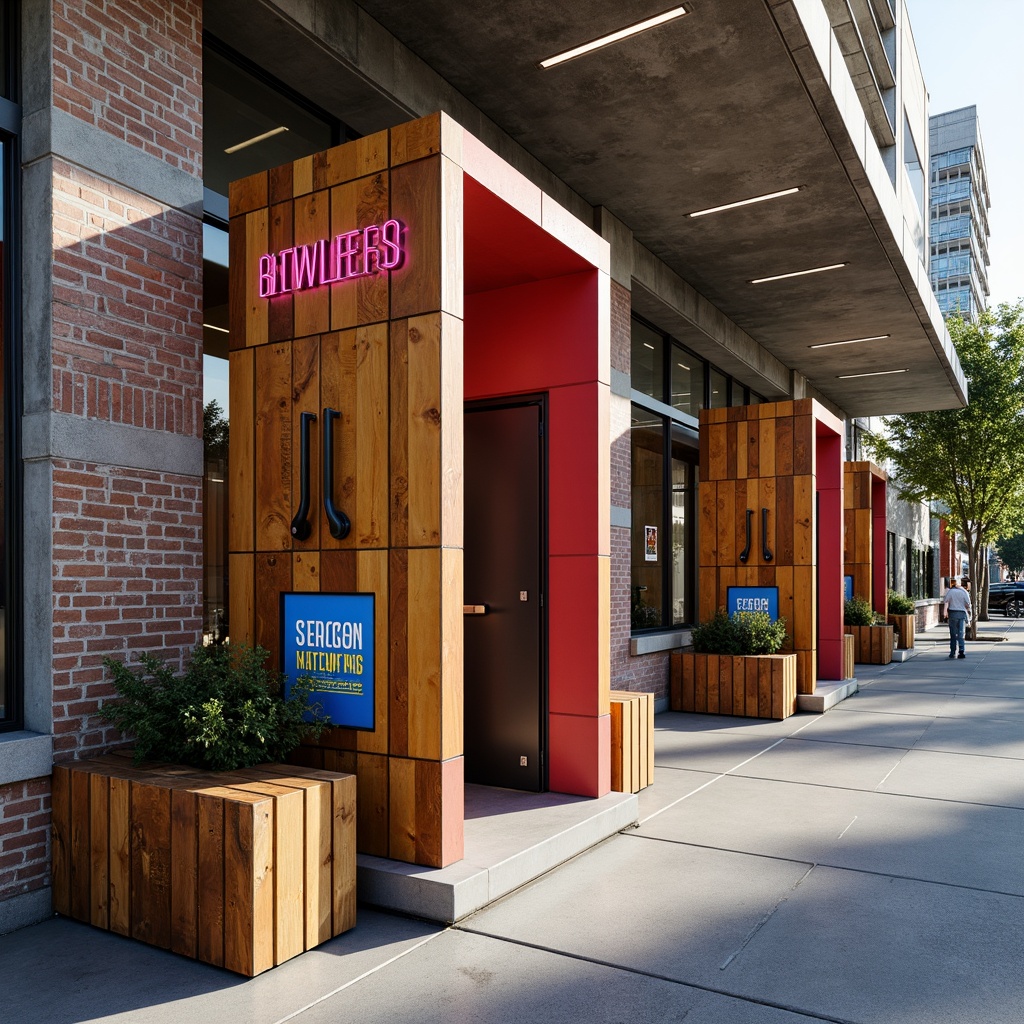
(1007, 598)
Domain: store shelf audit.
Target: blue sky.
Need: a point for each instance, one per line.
(973, 52)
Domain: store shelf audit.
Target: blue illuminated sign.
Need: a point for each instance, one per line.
(753, 599)
(847, 588)
(329, 638)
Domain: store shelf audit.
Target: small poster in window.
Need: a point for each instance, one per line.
(650, 543)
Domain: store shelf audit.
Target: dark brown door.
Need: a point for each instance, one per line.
(505, 707)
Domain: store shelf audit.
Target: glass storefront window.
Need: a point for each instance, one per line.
(647, 441)
(6, 702)
(718, 390)
(684, 548)
(687, 382)
(647, 360)
(250, 124)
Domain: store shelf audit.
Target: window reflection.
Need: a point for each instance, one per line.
(684, 548)
(647, 361)
(687, 382)
(647, 440)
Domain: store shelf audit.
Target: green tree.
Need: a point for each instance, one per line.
(215, 431)
(971, 460)
(1011, 551)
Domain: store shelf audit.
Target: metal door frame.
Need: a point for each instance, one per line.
(540, 400)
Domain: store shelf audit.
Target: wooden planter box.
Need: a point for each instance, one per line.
(242, 869)
(848, 659)
(752, 686)
(904, 625)
(632, 740)
(872, 645)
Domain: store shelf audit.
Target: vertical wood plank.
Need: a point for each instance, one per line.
(312, 223)
(344, 793)
(273, 448)
(372, 804)
(305, 376)
(424, 653)
(99, 850)
(281, 226)
(120, 855)
(184, 873)
(60, 810)
(81, 895)
(241, 451)
(416, 202)
(150, 810)
(249, 885)
(211, 879)
(616, 745)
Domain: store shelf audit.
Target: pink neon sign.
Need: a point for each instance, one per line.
(342, 258)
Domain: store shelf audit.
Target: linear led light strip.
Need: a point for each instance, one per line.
(873, 373)
(850, 341)
(614, 37)
(747, 202)
(214, 327)
(256, 138)
(799, 273)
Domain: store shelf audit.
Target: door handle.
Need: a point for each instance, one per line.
(474, 609)
(301, 528)
(338, 521)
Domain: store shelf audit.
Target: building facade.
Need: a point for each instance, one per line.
(959, 205)
(725, 210)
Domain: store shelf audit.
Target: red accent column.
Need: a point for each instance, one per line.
(829, 474)
(879, 526)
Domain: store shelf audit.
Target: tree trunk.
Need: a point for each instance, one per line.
(974, 568)
(983, 593)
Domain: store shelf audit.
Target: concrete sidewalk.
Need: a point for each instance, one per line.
(862, 865)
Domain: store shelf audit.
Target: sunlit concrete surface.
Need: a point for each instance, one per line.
(863, 865)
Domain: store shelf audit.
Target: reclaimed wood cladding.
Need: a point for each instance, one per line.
(383, 351)
(757, 457)
(857, 527)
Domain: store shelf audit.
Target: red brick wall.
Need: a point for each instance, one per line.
(647, 672)
(24, 836)
(133, 70)
(127, 577)
(126, 350)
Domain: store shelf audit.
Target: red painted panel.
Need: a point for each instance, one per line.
(532, 336)
(879, 525)
(829, 474)
(453, 812)
(580, 752)
(575, 635)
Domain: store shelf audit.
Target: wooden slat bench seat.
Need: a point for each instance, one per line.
(632, 740)
(241, 869)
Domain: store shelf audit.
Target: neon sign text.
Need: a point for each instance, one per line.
(329, 261)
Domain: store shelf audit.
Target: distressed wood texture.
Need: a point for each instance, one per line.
(872, 645)
(384, 349)
(903, 626)
(632, 720)
(242, 870)
(754, 686)
(759, 457)
(857, 527)
(848, 656)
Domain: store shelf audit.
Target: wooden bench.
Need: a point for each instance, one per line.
(632, 740)
(905, 627)
(242, 869)
(872, 644)
(848, 660)
(750, 686)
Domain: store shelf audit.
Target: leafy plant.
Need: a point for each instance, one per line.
(226, 710)
(900, 604)
(743, 633)
(857, 612)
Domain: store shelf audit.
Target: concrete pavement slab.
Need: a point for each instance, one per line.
(463, 976)
(813, 761)
(995, 685)
(670, 785)
(868, 728)
(963, 777)
(964, 736)
(934, 840)
(96, 976)
(978, 708)
(880, 950)
(882, 701)
(714, 752)
(666, 908)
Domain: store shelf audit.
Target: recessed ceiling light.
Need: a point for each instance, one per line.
(799, 273)
(256, 138)
(646, 345)
(850, 341)
(614, 37)
(747, 202)
(682, 366)
(874, 373)
(213, 327)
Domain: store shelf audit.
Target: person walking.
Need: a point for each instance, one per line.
(957, 606)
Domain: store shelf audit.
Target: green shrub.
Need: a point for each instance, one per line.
(857, 612)
(744, 633)
(898, 604)
(225, 711)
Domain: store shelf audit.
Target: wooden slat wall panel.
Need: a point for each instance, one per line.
(185, 873)
(754, 687)
(81, 876)
(379, 350)
(754, 458)
(150, 809)
(60, 810)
